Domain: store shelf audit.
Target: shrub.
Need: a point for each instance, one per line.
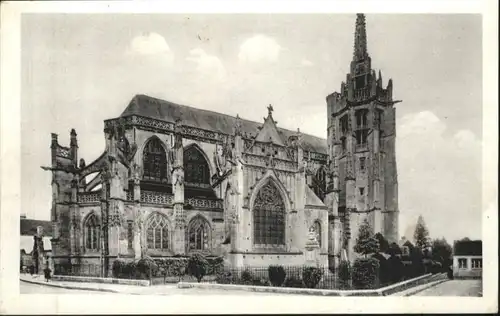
(277, 275)
(364, 273)
(331, 268)
(427, 263)
(311, 276)
(293, 281)
(117, 268)
(171, 266)
(216, 265)
(224, 277)
(417, 262)
(129, 270)
(146, 267)
(344, 273)
(178, 268)
(437, 267)
(394, 249)
(385, 272)
(197, 266)
(259, 282)
(247, 277)
(395, 268)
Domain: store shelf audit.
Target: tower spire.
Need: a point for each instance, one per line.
(360, 42)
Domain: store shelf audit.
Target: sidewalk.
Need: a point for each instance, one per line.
(101, 287)
(417, 289)
(167, 289)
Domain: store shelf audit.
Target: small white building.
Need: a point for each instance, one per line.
(467, 259)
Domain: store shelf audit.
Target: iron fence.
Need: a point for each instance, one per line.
(294, 277)
(176, 270)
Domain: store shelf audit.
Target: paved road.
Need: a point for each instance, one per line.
(454, 288)
(30, 288)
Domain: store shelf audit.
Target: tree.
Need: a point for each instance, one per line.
(383, 243)
(366, 243)
(394, 249)
(421, 235)
(441, 251)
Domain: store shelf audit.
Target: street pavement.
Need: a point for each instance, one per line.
(169, 289)
(38, 286)
(454, 288)
(30, 288)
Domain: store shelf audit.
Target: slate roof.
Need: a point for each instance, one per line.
(28, 227)
(147, 106)
(468, 248)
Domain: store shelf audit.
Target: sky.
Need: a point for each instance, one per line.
(78, 70)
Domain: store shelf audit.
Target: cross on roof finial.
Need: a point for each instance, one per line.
(270, 109)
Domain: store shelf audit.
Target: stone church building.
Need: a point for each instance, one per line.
(175, 180)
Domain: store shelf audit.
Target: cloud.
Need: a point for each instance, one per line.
(208, 66)
(151, 45)
(466, 140)
(259, 48)
(306, 63)
(439, 176)
(421, 123)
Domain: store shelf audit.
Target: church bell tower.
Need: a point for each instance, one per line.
(362, 157)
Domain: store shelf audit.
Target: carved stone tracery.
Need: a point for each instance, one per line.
(269, 216)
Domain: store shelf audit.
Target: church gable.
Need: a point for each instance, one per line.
(269, 132)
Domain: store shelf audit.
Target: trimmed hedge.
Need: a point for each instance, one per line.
(396, 269)
(248, 278)
(277, 275)
(344, 273)
(215, 265)
(224, 277)
(146, 268)
(197, 266)
(118, 267)
(311, 276)
(293, 281)
(365, 273)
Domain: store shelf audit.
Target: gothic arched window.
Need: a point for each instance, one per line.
(198, 234)
(317, 230)
(319, 186)
(269, 217)
(157, 232)
(196, 168)
(155, 161)
(92, 230)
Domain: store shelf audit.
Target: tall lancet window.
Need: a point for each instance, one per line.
(155, 161)
(361, 127)
(196, 168)
(319, 185)
(92, 230)
(269, 217)
(198, 234)
(157, 232)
